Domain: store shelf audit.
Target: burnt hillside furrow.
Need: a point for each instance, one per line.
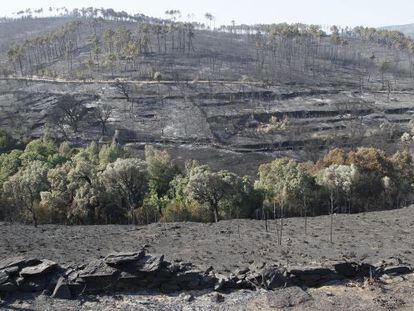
(227, 119)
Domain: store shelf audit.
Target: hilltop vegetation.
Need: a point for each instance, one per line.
(408, 29)
(104, 44)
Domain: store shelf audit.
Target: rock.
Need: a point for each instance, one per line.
(220, 284)
(8, 287)
(313, 276)
(254, 278)
(19, 262)
(188, 279)
(32, 284)
(151, 263)
(184, 266)
(42, 268)
(347, 269)
(123, 258)
(97, 268)
(62, 290)
(174, 268)
(11, 271)
(71, 275)
(4, 277)
(397, 270)
(257, 265)
(280, 299)
(242, 271)
(208, 270)
(97, 276)
(390, 262)
(273, 277)
(369, 270)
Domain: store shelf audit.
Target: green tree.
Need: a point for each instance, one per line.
(161, 171)
(23, 189)
(211, 188)
(9, 165)
(284, 183)
(337, 179)
(110, 153)
(127, 179)
(44, 150)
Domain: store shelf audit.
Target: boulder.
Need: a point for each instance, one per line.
(97, 269)
(12, 271)
(254, 278)
(62, 290)
(4, 277)
(123, 258)
(312, 276)
(31, 284)
(188, 279)
(273, 277)
(150, 263)
(397, 270)
(347, 269)
(8, 287)
(368, 269)
(97, 276)
(225, 283)
(20, 262)
(44, 267)
(242, 271)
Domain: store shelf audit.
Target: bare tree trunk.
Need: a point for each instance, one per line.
(34, 218)
(281, 223)
(216, 215)
(331, 212)
(305, 214)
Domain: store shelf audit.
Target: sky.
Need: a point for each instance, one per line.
(323, 12)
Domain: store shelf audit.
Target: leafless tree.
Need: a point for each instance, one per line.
(103, 113)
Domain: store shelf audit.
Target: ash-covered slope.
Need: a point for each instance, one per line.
(233, 97)
(232, 125)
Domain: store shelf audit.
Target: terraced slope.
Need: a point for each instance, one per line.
(228, 119)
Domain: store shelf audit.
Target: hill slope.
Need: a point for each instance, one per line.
(408, 29)
(240, 94)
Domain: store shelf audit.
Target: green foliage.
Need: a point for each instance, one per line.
(161, 171)
(47, 183)
(44, 150)
(127, 180)
(9, 164)
(110, 153)
(285, 183)
(221, 192)
(23, 189)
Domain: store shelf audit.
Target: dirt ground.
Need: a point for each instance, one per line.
(226, 246)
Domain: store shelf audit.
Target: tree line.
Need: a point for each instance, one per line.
(46, 182)
(109, 47)
(285, 52)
